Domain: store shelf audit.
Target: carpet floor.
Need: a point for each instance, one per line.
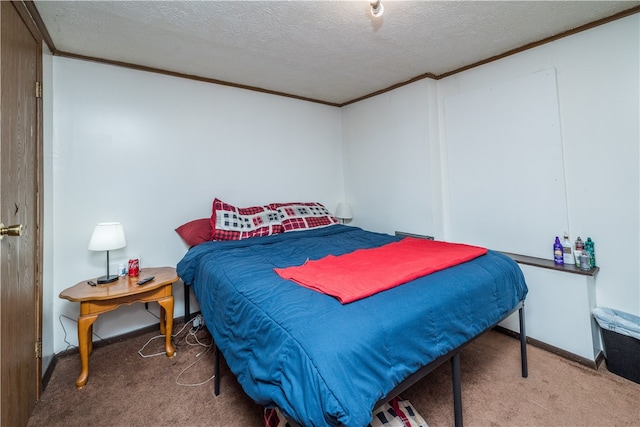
(126, 389)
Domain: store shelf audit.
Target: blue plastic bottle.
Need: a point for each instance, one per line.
(558, 252)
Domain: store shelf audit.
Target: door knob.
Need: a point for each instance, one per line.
(12, 230)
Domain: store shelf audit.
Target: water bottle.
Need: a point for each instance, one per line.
(558, 257)
(567, 252)
(577, 251)
(584, 260)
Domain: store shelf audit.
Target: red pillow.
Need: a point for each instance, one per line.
(231, 223)
(303, 216)
(195, 232)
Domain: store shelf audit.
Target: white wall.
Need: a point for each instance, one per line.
(48, 296)
(152, 151)
(505, 170)
(395, 149)
(388, 159)
(598, 73)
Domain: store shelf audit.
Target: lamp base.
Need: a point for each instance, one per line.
(107, 279)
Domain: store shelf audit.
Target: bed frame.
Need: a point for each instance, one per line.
(453, 356)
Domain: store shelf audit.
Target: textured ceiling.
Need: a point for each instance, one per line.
(330, 51)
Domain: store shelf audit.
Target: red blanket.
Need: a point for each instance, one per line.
(365, 272)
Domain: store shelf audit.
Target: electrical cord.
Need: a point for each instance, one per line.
(69, 345)
(191, 333)
(146, 308)
(140, 352)
(177, 340)
(190, 338)
(198, 358)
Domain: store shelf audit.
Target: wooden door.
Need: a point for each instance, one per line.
(20, 203)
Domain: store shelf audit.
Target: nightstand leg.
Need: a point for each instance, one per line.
(166, 305)
(85, 346)
(163, 319)
(90, 339)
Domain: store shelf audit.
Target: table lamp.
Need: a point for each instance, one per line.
(107, 236)
(343, 211)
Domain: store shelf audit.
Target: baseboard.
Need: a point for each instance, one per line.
(178, 320)
(101, 343)
(47, 374)
(555, 350)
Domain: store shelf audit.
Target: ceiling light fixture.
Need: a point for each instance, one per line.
(376, 8)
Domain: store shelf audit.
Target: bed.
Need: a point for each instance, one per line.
(327, 363)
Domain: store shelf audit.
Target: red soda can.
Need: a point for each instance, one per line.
(134, 267)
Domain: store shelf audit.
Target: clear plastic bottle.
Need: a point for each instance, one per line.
(584, 260)
(567, 250)
(558, 257)
(577, 250)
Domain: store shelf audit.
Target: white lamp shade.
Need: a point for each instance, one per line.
(343, 211)
(107, 236)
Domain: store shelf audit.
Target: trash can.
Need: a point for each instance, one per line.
(621, 336)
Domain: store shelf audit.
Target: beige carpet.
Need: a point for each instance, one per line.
(125, 389)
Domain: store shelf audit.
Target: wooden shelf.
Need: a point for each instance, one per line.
(547, 263)
(419, 236)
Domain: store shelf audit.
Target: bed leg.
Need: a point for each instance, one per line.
(216, 370)
(457, 391)
(523, 344)
(187, 308)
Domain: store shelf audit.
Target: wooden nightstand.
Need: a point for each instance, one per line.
(95, 300)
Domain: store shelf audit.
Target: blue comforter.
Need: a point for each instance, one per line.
(324, 363)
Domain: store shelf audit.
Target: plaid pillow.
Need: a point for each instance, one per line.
(397, 413)
(272, 417)
(231, 223)
(303, 216)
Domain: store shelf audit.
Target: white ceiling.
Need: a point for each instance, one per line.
(329, 51)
